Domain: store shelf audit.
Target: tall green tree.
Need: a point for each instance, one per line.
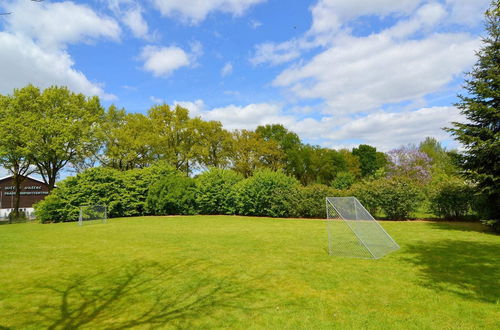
(288, 142)
(127, 140)
(480, 135)
(370, 160)
(175, 136)
(16, 130)
(252, 152)
(441, 161)
(215, 145)
(65, 125)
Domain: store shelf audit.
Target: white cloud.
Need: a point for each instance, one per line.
(162, 61)
(130, 13)
(239, 117)
(467, 11)
(384, 130)
(366, 73)
(57, 24)
(136, 23)
(227, 69)
(274, 54)
(390, 130)
(195, 108)
(156, 100)
(249, 116)
(329, 15)
(22, 61)
(195, 11)
(331, 19)
(255, 24)
(34, 44)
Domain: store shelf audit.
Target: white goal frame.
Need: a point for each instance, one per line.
(93, 213)
(353, 232)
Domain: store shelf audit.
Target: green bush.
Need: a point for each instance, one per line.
(123, 193)
(215, 193)
(343, 180)
(311, 200)
(174, 193)
(267, 193)
(368, 193)
(452, 199)
(398, 197)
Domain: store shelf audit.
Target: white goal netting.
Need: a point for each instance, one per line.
(90, 214)
(353, 232)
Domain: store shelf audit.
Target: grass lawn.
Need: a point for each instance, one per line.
(237, 272)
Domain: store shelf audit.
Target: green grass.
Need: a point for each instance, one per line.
(240, 273)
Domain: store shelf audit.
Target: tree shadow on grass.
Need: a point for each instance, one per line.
(468, 269)
(462, 226)
(145, 295)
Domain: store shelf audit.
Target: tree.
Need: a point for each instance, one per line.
(370, 160)
(215, 145)
(352, 162)
(480, 135)
(175, 136)
(252, 152)
(65, 125)
(411, 163)
(127, 140)
(440, 158)
(15, 133)
(288, 142)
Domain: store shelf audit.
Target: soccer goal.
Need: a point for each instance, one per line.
(353, 232)
(92, 214)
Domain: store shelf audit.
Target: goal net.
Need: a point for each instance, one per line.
(92, 214)
(353, 232)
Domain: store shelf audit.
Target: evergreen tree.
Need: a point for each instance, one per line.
(480, 135)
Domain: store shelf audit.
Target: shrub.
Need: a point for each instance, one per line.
(124, 193)
(174, 193)
(267, 193)
(215, 193)
(311, 200)
(451, 199)
(343, 180)
(398, 197)
(368, 193)
(102, 186)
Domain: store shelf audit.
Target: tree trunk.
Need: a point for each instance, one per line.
(52, 182)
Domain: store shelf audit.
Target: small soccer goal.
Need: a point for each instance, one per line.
(353, 232)
(92, 214)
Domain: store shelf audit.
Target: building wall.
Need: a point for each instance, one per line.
(32, 191)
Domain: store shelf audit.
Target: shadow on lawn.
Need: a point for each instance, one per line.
(468, 269)
(142, 295)
(462, 226)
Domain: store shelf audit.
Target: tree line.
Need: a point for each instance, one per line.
(48, 131)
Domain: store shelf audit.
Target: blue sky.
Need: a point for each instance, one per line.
(337, 72)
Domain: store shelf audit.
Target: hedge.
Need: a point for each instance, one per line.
(267, 193)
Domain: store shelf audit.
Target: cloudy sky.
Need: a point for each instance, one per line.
(337, 72)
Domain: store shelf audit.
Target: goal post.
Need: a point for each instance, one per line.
(92, 214)
(353, 232)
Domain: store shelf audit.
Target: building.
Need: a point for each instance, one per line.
(32, 191)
